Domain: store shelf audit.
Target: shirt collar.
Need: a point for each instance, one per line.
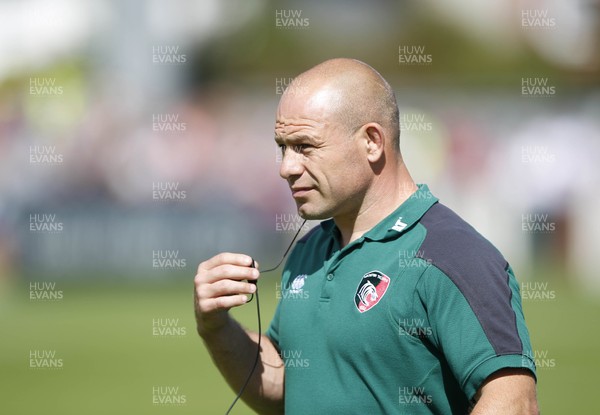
(401, 219)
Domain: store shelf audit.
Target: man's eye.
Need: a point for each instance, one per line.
(300, 148)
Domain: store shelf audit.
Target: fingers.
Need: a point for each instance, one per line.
(225, 288)
(223, 282)
(232, 272)
(226, 302)
(226, 258)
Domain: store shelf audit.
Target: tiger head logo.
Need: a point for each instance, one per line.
(371, 289)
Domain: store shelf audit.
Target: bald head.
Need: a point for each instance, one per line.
(354, 93)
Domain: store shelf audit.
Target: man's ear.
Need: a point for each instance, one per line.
(374, 137)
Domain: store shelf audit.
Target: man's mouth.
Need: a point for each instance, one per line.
(299, 191)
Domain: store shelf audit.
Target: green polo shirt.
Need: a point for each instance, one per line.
(410, 318)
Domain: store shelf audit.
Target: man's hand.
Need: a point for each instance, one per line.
(219, 286)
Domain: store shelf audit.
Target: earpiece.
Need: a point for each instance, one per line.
(252, 266)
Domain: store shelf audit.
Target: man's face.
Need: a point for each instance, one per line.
(321, 162)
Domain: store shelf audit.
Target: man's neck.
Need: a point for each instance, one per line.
(384, 196)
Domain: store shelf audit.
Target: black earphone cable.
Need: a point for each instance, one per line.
(256, 359)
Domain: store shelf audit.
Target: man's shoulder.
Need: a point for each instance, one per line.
(451, 241)
(477, 269)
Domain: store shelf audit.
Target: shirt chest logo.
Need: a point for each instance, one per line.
(297, 284)
(371, 289)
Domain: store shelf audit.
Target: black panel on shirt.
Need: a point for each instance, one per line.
(477, 269)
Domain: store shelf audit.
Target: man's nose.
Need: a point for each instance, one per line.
(291, 164)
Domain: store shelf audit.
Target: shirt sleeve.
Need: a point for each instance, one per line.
(478, 332)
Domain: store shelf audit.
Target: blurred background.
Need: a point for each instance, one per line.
(136, 140)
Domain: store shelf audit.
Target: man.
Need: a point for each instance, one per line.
(395, 305)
